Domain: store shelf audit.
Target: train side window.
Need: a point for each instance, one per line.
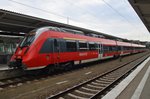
(122, 48)
(119, 48)
(113, 48)
(62, 44)
(83, 46)
(110, 48)
(127, 48)
(71, 46)
(47, 47)
(96, 46)
(93, 46)
(105, 48)
(56, 45)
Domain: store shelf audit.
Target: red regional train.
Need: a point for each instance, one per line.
(51, 47)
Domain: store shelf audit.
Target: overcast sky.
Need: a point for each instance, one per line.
(113, 17)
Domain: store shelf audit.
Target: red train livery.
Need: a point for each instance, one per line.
(52, 46)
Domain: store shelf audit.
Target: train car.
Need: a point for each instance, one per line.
(51, 47)
(141, 48)
(108, 48)
(124, 48)
(138, 48)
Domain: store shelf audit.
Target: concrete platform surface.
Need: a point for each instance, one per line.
(4, 67)
(135, 86)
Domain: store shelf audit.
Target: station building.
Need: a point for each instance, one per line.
(8, 45)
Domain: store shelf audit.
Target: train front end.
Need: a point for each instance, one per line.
(22, 51)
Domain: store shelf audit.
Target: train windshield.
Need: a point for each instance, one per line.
(27, 40)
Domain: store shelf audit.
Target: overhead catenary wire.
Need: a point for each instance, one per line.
(116, 11)
(49, 12)
(75, 20)
(42, 10)
(107, 5)
(121, 15)
(38, 9)
(136, 25)
(81, 8)
(62, 15)
(66, 17)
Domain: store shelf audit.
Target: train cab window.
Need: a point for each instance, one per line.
(27, 40)
(83, 46)
(47, 47)
(71, 46)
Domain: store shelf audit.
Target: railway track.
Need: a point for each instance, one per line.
(11, 73)
(97, 87)
(22, 78)
(16, 81)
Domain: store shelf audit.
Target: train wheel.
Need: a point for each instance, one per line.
(70, 65)
(67, 66)
(50, 69)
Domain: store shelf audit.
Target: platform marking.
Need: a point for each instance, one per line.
(5, 68)
(58, 83)
(88, 73)
(140, 87)
(123, 84)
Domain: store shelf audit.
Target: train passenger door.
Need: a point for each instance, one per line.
(56, 52)
(122, 50)
(100, 51)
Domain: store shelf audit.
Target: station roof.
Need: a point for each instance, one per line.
(142, 8)
(15, 22)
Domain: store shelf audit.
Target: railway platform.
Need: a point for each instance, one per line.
(4, 67)
(135, 86)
